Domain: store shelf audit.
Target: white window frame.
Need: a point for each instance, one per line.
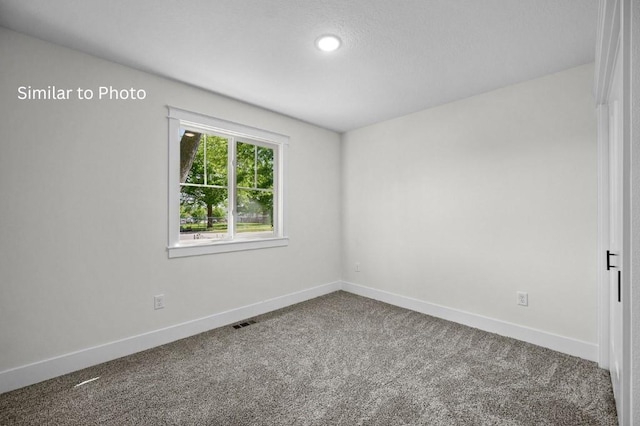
(181, 118)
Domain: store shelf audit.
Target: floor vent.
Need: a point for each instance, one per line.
(244, 324)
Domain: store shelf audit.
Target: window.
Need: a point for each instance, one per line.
(226, 186)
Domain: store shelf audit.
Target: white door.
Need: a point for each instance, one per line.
(614, 261)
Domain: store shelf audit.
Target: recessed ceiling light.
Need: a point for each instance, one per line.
(328, 43)
(189, 134)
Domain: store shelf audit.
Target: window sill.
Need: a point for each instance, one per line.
(225, 246)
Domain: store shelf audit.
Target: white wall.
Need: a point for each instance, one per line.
(83, 208)
(464, 204)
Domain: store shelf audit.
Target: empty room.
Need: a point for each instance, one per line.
(279, 212)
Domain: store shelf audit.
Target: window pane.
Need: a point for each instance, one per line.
(254, 166)
(191, 157)
(264, 168)
(203, 159)
(255, 211)
(245, 165)
(203, 213)
(216, 155)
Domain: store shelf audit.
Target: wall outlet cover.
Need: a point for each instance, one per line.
(158, 301)
(523, 298)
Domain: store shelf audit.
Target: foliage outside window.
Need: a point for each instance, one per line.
(229, 191)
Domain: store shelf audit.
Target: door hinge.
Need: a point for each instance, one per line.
(609, 265)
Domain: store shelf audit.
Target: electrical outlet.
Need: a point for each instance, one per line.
(158, 301)
(357, 266)
(523, 298)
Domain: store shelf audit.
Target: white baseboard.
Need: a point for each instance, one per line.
(43, 370)
(585, 350)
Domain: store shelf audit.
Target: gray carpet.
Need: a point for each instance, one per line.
(336, 360)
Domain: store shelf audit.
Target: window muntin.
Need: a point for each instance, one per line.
(229, 186)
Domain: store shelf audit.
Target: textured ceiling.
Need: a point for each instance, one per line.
(397, 57)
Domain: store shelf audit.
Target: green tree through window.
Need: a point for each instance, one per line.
(205, 187)
(206, 180)
(254, 177)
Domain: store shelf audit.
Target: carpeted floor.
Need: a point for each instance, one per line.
(336, 360)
